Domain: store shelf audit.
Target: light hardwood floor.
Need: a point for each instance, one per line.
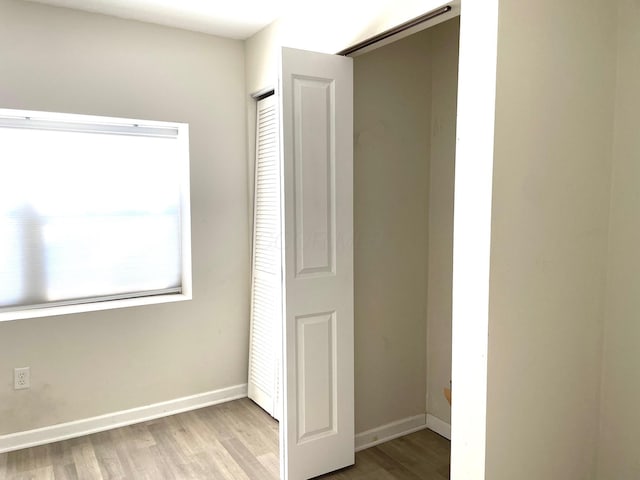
(234, 440)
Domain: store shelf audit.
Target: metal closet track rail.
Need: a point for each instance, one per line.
(396, 30)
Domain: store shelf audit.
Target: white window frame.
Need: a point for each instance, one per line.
(92, 123)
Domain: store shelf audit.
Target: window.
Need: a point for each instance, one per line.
(94, 213)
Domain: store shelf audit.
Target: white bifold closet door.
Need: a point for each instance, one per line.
(317, 425)
(302, 282)
(266, 290)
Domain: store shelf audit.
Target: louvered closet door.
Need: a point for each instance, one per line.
(266, 291)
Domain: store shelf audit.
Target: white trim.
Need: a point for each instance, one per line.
(439, 426)
(86, 426)
(392, 430)
(472, 235)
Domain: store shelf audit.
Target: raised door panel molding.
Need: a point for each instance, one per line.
(314, 164)
(316, 355)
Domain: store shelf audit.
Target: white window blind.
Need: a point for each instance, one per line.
(92, 209)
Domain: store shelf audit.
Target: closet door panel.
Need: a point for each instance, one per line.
(266, 288)
(317, 427)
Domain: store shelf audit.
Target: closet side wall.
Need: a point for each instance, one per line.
(620, 422)
(444, 88)
(391, 166)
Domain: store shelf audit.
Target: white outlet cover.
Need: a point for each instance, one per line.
(21, 378)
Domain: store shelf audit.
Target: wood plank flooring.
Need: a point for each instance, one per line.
(231, 441)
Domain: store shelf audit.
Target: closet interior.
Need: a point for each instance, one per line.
(405, 96)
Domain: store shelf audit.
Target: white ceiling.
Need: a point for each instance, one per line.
(227, 18)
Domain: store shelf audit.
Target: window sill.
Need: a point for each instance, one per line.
(92, 307)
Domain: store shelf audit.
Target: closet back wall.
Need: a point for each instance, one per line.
(391, 177)
(405, 110)
(90, 364)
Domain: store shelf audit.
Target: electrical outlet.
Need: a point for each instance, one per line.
(21, 378)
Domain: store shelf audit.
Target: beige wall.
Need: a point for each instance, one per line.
(90, 364)
(392, 115)
(444, 40)
(260, 74)
(554, 110)
(260, 58)
(619, 444)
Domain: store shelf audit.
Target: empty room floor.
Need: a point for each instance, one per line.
(235, 440)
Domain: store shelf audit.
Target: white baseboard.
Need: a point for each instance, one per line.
(390, 431)
(86, 426)
(439, 426)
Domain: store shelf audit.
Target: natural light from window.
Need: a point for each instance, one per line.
(90, 211)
